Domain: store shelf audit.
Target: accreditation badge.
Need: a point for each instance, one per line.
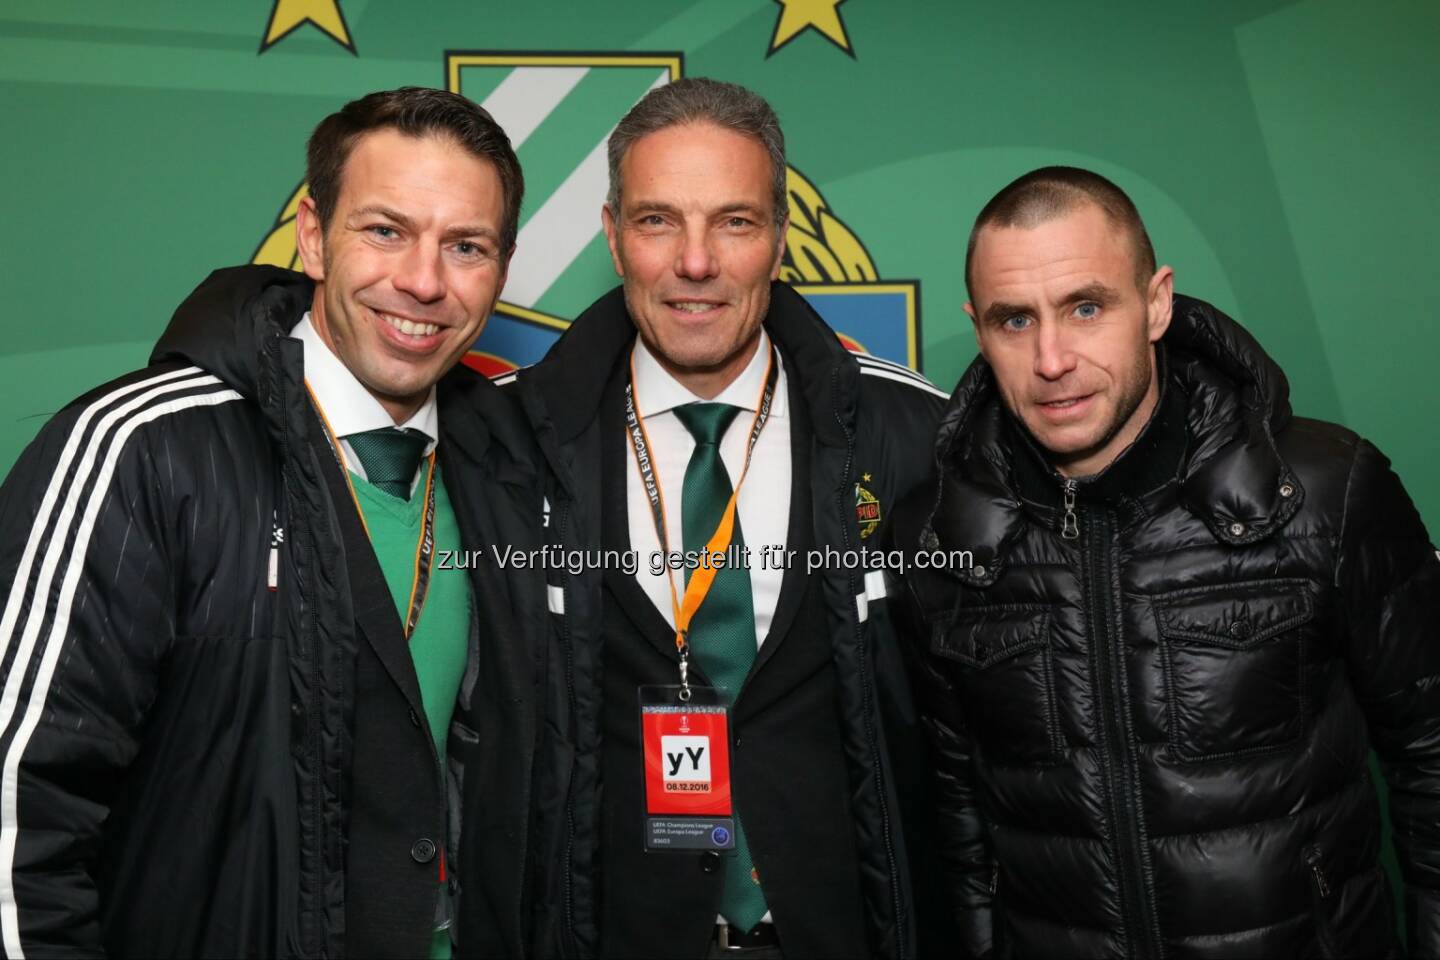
(686, 746)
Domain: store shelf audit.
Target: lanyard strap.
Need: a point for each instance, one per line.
(424, 546)
(719, 543)
(424, 554)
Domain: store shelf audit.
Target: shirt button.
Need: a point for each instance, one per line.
(423, 851)
(709, 861)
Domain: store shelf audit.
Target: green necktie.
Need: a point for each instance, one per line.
(722, 634)
(390, 456)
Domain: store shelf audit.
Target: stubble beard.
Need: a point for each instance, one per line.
(1134, 386)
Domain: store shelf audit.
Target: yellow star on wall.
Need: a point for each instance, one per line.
(287, 16)
(797, 16)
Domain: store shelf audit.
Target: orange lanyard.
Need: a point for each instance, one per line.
(424, 546)
(704, 575)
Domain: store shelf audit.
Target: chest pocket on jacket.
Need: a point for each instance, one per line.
(1004, 671)
(1235, 674)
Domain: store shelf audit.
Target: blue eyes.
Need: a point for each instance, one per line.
(466, 249)
(1022, 321)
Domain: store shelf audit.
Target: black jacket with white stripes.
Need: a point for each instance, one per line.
(871, 424)
(211, 730)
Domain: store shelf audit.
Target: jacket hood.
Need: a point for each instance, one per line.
(1235, 400)
(224, 323)
(239, 315)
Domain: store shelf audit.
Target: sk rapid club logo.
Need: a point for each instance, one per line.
(867, 508)
(559, 109)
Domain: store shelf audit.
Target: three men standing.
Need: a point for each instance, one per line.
(239, 706)
(698, 376)
(1191, 616)
(244, 714)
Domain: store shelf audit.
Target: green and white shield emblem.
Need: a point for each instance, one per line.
(559, 110)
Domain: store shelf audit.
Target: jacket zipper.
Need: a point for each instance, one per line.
(313, 937)
(1322, 891)
(1312, 858)
(1117, 759)
(566, 867)
(1069, 527)
(885, 829)
(997, 943)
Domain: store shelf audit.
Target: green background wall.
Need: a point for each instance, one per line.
(1283, 153)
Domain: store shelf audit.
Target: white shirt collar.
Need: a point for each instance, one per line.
(657, 392)
(348, 406)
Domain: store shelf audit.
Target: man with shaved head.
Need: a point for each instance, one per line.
(1190, 618)
(1085, 410)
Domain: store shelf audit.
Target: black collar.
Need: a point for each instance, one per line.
(1232, 399)
(563, 391)
(1148, 464)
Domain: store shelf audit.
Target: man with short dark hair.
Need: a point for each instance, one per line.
(244, 706)
(700, 406)
(1190, 617)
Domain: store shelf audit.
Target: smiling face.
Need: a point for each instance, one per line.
(410, 266)
(1068, 334)
(697, 243)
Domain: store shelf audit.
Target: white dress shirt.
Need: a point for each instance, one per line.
(764, 504)
(348, 406)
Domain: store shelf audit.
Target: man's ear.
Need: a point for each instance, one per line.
(974, 320)
(1160, 303)
(504, 274)
(780, 248)
(612, 238)
(310, 239)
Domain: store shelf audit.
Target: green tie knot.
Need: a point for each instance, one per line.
(390, 457)
(707, 422)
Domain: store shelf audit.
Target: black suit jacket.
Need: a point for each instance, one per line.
(788, 766)
(828, 685)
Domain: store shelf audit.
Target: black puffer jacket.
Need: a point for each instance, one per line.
(186, 620)
(1155, 735)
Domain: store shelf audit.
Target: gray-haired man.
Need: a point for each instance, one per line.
(649, 409)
